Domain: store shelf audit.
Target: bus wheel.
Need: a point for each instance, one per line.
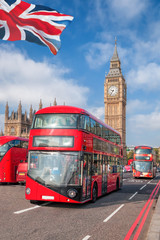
(33, 201)
(117, 184)
(94, 193)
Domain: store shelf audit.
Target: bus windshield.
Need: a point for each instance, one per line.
(143, 151)
(56, 121)
(142, 166)
(55, 168)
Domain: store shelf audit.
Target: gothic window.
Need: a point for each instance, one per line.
(23, 130)
(12, 131)
(113, 80)
(114, 65)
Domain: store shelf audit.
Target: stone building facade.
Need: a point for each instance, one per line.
(19, 124)
(115, 90)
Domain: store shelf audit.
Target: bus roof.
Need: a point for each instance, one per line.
(5, 139)
(143, 147)
(71, 109)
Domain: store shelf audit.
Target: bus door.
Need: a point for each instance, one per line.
(111, 181)
(154, 169)
(15, 156)
(5, 169)
(86, 191)
(104, 174)
(18, 154)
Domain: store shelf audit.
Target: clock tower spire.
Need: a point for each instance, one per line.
(115, 98)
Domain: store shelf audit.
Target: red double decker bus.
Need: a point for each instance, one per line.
(73, 157)
(13, 150)
(144, 164)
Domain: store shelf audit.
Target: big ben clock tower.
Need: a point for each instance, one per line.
(115, 98)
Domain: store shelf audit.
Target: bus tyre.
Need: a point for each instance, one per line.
(94, 193)
(33, 201)
(117, 184)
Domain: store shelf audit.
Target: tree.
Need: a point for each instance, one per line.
(130, 155)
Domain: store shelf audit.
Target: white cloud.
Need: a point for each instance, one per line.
(2, 116)
(29, 81)
(154, 30)
(98, 112)
(147, 122)
(136, 105)
(145, 77)
(143, 129)
(123, 11)
(98, 54)
(128, 9)
(144, 52)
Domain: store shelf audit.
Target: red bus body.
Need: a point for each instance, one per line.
(90, 165)
(22, 172)
(144, 164)
(130, 161)
(13, 150)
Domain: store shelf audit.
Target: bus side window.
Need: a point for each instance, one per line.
(24, 144)
(85, 122)
(93, 126)
(88, 124)
(82, 122)
(98, 129)
(17, 143)
(110, 165)
(14, 143)
(118, 139)
(106, 134)
(4, 149)
(94, 166)
(99, 167)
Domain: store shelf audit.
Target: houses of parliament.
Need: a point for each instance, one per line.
(19, 124)
(115, 90)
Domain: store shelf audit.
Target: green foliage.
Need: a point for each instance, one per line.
(130, 155)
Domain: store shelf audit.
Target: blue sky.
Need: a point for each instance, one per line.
(29, 72)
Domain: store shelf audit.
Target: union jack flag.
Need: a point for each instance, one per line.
(20, 20)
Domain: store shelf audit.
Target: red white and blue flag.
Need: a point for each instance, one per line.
(20, 20)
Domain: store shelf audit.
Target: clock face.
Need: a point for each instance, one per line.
(113, 90)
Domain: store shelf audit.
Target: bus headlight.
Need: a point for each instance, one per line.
(28, 191)
(72, 193)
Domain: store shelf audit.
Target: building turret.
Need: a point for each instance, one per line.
(55, 102)
(25, 116)
(40, 104)
(1, 133)
(115, 64)
(6, 112)
(19, 111)
(31, 114)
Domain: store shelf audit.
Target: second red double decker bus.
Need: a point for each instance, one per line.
(13, 150)
(144, 164)
(73, 156)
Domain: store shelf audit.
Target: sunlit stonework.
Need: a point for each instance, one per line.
(115, 98)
